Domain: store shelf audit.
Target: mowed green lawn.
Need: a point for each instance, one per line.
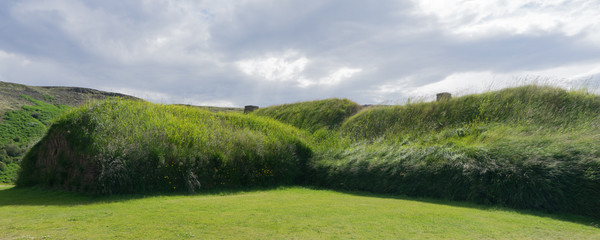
(283, 213)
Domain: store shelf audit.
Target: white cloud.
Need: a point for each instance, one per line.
(276, 67)
(219, 103)
(169, 32)
(164, 98)
(15, 67)
(153, 96)
(270, 52)
(290, 66)
(332, 79)
(12, 59)
(488, 18)
(461, 83)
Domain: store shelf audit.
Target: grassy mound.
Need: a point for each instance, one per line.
(312, 116)
(529, 147)
(525, 106)
(120, 146)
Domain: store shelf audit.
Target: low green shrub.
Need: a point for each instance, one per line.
(12, 150)
(9, 174)
(119, 146)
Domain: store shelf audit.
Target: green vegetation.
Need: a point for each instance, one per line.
(529, 147)
(121, 146)
(216, 109)
(25, 115)
(282, 213)
(312, 116)
(19, 129)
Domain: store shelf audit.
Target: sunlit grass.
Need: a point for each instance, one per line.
(313, 115)
(288, 213)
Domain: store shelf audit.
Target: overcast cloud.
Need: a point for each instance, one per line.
(266, 52)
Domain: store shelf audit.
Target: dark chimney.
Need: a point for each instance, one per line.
(250, 108)
(443, 96)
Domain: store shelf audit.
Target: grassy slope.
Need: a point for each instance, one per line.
(528, 147)
(135, 146)
(10, 95)
(26, 113)
(296, 213)
(312, 116)
(20, 129)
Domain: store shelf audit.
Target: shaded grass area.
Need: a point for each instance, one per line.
(297, 213)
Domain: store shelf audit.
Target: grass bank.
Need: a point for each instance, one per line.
(296, 213)
(530, 147)
(312, 116)
(122, 146)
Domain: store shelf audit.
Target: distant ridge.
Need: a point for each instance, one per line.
(10, 95)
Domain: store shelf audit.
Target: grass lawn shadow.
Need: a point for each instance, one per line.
(568, 217)
(37, 196)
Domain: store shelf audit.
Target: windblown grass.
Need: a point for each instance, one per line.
(530, 147)
(325, 114)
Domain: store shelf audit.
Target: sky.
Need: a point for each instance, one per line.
(270, 52)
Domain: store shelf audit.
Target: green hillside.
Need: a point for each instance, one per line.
(25, 114)
(529, 106)
(312, 116)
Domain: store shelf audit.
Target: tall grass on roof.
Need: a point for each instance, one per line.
(531, 147)
(122, 146)
(325, 114)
